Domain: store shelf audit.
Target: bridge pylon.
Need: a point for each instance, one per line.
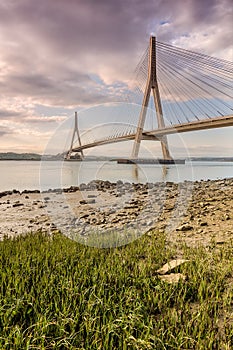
(75, 132)
(151, 84)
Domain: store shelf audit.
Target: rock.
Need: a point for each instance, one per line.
(119, 183)
(149, 223)
(73, 189)
(173, 278)
(220, 241)
(131, 206)
(143, 223)
(144, 192)
(184, 227)
(171, 265)
(17, 205)
(5, 193)
(83, 216)
(169, 207)
(93, 221)
(115, 220)
(111, 211)
(30, 191)
(204, 223)
(169, 184)
(87, 201)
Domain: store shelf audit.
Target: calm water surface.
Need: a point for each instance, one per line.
(22, 175)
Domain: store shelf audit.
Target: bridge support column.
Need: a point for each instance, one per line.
(151, 84)
(142, 117)
(76, 131)
(161, 124)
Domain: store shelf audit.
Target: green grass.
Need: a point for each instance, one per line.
(58, 294)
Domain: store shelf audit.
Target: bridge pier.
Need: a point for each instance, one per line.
(152, 84)
(75, 132)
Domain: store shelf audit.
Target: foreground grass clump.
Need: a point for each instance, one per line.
(58, 294)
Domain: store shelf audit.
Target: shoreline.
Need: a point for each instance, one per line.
(198, 212)
(74, 188)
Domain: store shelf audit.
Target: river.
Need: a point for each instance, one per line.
(31, 175)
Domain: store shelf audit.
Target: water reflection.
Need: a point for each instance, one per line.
(164, 172)
(136, 169)
(74, 173)
(135, 175)
(33, 175)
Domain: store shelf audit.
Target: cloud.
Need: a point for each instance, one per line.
(5, 114)
(45, 119)
(55, 41)
(64, 89)
(4, 131)
(69, 53)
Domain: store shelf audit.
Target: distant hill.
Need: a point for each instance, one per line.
(19, 156)
(35, 156)
(212, 159)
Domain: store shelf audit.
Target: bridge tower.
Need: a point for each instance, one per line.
(151, 84)
(75, 132)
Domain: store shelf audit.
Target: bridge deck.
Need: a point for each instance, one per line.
(217, 122)
(156, 134)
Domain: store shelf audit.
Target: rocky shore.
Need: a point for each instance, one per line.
(190, 212)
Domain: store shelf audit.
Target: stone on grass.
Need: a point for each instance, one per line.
(171, 265)
(173, 278)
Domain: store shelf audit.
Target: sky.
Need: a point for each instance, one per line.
(65, 55)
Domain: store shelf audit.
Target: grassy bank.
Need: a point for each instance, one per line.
(57, 294)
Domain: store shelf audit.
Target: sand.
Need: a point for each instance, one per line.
(191, 212)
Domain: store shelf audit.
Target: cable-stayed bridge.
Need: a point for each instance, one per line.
(177, 90)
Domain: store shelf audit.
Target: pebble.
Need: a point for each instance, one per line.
(184, 227)
(209, 206)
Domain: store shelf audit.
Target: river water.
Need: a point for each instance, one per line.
(30, 175)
